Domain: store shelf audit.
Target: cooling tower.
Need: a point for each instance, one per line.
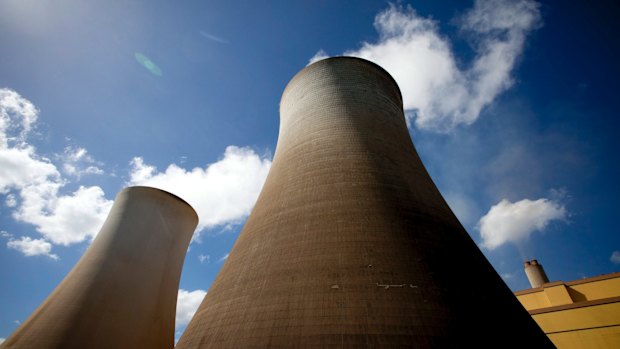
(350, 244)
(122, 293)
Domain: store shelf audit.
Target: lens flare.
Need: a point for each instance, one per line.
(148, 64)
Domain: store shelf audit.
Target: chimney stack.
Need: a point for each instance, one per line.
(535, 273)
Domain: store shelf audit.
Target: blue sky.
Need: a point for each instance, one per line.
(511, 105)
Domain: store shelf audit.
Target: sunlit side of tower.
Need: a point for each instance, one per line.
(122, 292)
(350, 243)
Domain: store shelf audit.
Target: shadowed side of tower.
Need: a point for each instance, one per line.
(350, 244)
(122, 293)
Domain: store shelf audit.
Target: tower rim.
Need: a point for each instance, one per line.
(342, 58)
(164, 192)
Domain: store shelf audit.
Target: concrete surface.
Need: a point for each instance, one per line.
(122, 293)
(350, 244)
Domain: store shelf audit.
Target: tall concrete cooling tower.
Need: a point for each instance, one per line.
(350, 243)
(122, 293)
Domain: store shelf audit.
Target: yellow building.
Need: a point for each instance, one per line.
(578, 314)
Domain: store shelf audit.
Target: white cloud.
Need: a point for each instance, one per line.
(221, 193)
(10, 201)
(77, 162)
(2, 340)
(141, 172)
(32, 247)
(17, 116)
(187, 304)
(33, 183)
(436, 91)
(21, 167)
(64, 219)
(515, 222)
(321, 54)
(223, 258)
(204, 258)
(615, 257)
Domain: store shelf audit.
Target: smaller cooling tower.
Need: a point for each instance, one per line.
(122, 292)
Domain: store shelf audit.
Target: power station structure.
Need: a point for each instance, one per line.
(350, 244)
(583, 313)
(122, 293)
(535, 273)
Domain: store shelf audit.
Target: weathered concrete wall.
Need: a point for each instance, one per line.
(122, 292)
(350, 243)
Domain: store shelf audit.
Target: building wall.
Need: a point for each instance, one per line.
(578, 314)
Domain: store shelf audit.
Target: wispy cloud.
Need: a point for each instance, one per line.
(504, 157)
(437, 93)
(17, 118)
(223, 258)
(204, 258)
(213, 37)
(11, 200)
(77, 162)
(515, 222)
(463, 207)
(507, 276)
(615, 257)
(321, 54)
